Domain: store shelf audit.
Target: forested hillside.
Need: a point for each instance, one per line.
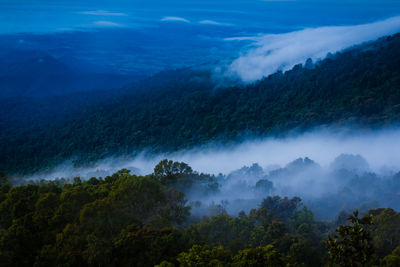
(185, 108)
(129, 220)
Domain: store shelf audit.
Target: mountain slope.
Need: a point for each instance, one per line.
(36, 74)
(181, 109)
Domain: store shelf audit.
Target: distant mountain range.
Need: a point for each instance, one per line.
(185, 108)
(37, 74)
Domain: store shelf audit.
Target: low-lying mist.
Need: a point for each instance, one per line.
(331, 170)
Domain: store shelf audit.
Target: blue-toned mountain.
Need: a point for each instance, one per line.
(185, 108)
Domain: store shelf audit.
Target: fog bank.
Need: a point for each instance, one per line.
(330, 169)
(273, 52)
(381, 149)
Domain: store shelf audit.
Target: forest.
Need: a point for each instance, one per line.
(184, 108)
(201, 133)
(129, 220)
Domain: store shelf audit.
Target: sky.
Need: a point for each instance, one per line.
(147, 36)
(275, 15)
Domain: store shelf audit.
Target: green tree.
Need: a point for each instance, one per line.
(147, 246)
(168, 171)
(393, 260)
(266, 256)
(353, 245)
(3, 178)
(204, 256)
(386, 234)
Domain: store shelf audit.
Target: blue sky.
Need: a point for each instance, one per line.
(48, 16)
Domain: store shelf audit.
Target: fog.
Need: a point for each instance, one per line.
(380, 148)
(330, 169)
(272, 52)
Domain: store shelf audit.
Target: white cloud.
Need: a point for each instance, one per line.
(177, 19)
(213, 22)
(242, 38)
(274, 52)
(105, 23)
(103, 13)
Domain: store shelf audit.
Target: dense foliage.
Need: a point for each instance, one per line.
(129, 220)
(184, 108)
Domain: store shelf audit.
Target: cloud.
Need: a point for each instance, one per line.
(177, 19)
(379, 148)
(105, 23)
(103, 13)
(274, 52)
(242, 38)
(213, 22)
(323, 145)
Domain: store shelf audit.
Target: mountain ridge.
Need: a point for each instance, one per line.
(37, 74)
(183, 108)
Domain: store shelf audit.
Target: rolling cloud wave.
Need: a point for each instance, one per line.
(272, 52)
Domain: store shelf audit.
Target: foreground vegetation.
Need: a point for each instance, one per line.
(129, 220)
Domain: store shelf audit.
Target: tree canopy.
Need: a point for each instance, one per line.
(129, 220)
